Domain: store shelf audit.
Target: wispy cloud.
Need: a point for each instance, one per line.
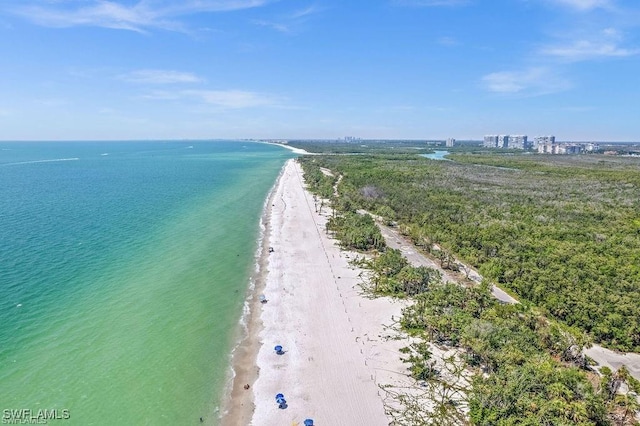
(577, 108)
(233, 99)
(140, 16)
(51, 102)
(278, 26)
(291, 22)
(605, 44)
(100, 14)
(447, 41)
(225, 99)
(534, 81)
(307, 11)
(586, 49)
(584, 5)
(429, 3)
(160, 77)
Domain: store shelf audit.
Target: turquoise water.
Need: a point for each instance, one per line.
(123, 270)
(437, 155)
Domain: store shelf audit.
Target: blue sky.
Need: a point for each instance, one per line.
(418, 69)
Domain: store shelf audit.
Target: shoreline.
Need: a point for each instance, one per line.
(237, 406)
(340, 347)
(291, 148)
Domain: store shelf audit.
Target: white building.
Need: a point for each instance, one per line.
(450, 142)
(507, 141)
(519, 142)
(490, 141)
(561, 148)
(503, 141)
(592, 147)
(543, 140)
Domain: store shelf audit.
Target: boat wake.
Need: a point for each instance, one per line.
(41, 161)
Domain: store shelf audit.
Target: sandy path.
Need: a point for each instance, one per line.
(615, 360)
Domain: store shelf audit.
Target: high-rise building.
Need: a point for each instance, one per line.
(543, 140)
(518, 142)
(503, 141)
(450, 142)
(490, 141)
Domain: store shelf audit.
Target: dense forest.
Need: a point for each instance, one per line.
(529, 369)
(562, 232)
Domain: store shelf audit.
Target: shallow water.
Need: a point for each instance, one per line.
(123, 268)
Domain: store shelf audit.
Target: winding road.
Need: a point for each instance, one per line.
(602, 356)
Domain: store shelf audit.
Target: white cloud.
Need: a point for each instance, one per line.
(601, 45)
(584, 5)
(225, 99)
(139, 16)
(101, 14)
(186, 7)
(447, 41)
(529, 82)
(160, 77)
(233, 99)
(278, 26)
(302, 13)
(585, 49)
(428, 3)
(291, 22)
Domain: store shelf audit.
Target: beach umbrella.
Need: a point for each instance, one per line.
(282, 403)
(308, 422)
(278, 350)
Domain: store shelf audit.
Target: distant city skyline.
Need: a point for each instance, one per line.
(385, 69)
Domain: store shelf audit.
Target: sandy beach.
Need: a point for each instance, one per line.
(337, 343)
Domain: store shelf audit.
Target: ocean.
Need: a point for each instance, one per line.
(123, 272)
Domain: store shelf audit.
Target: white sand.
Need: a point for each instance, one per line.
(336, 351)
(615, 360)
(291, 148)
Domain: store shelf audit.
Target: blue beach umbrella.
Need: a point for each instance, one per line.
(282, 403)
(308, 422)
(278, 350)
